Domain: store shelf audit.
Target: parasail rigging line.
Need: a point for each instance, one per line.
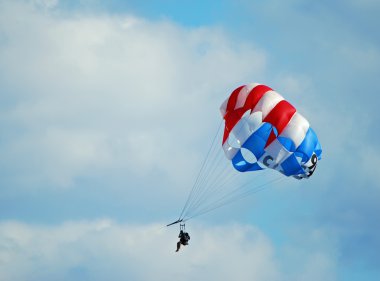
(195, 185)
(229, 200)
(211, 179)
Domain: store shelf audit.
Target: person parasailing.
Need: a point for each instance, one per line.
(183, 236)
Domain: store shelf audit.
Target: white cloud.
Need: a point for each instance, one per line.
(120, 93)
(57, 156)
(101, 249)
(46, 3)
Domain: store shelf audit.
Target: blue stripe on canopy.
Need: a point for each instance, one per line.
(308, 145)
(291, 166)
(256, 144)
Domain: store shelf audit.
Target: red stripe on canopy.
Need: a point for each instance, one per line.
(233, 115)
(232, 99)
(279, 117)
(255, 96)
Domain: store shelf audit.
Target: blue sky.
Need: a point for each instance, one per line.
(107, 109)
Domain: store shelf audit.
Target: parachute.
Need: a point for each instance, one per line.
(262, 131)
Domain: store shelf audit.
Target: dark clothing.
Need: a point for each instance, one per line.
(184, 238)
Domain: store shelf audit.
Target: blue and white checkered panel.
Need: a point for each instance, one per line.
(291, 166)
(299, 163)
(242, 165)
(287, 143)
(255, 144)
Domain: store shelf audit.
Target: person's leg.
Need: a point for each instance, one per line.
(178, 246)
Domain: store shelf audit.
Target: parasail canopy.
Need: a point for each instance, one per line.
(263, 130)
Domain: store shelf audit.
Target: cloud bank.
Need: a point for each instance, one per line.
(84, 93)
(104, 249)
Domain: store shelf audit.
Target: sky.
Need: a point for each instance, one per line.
(108, 108)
